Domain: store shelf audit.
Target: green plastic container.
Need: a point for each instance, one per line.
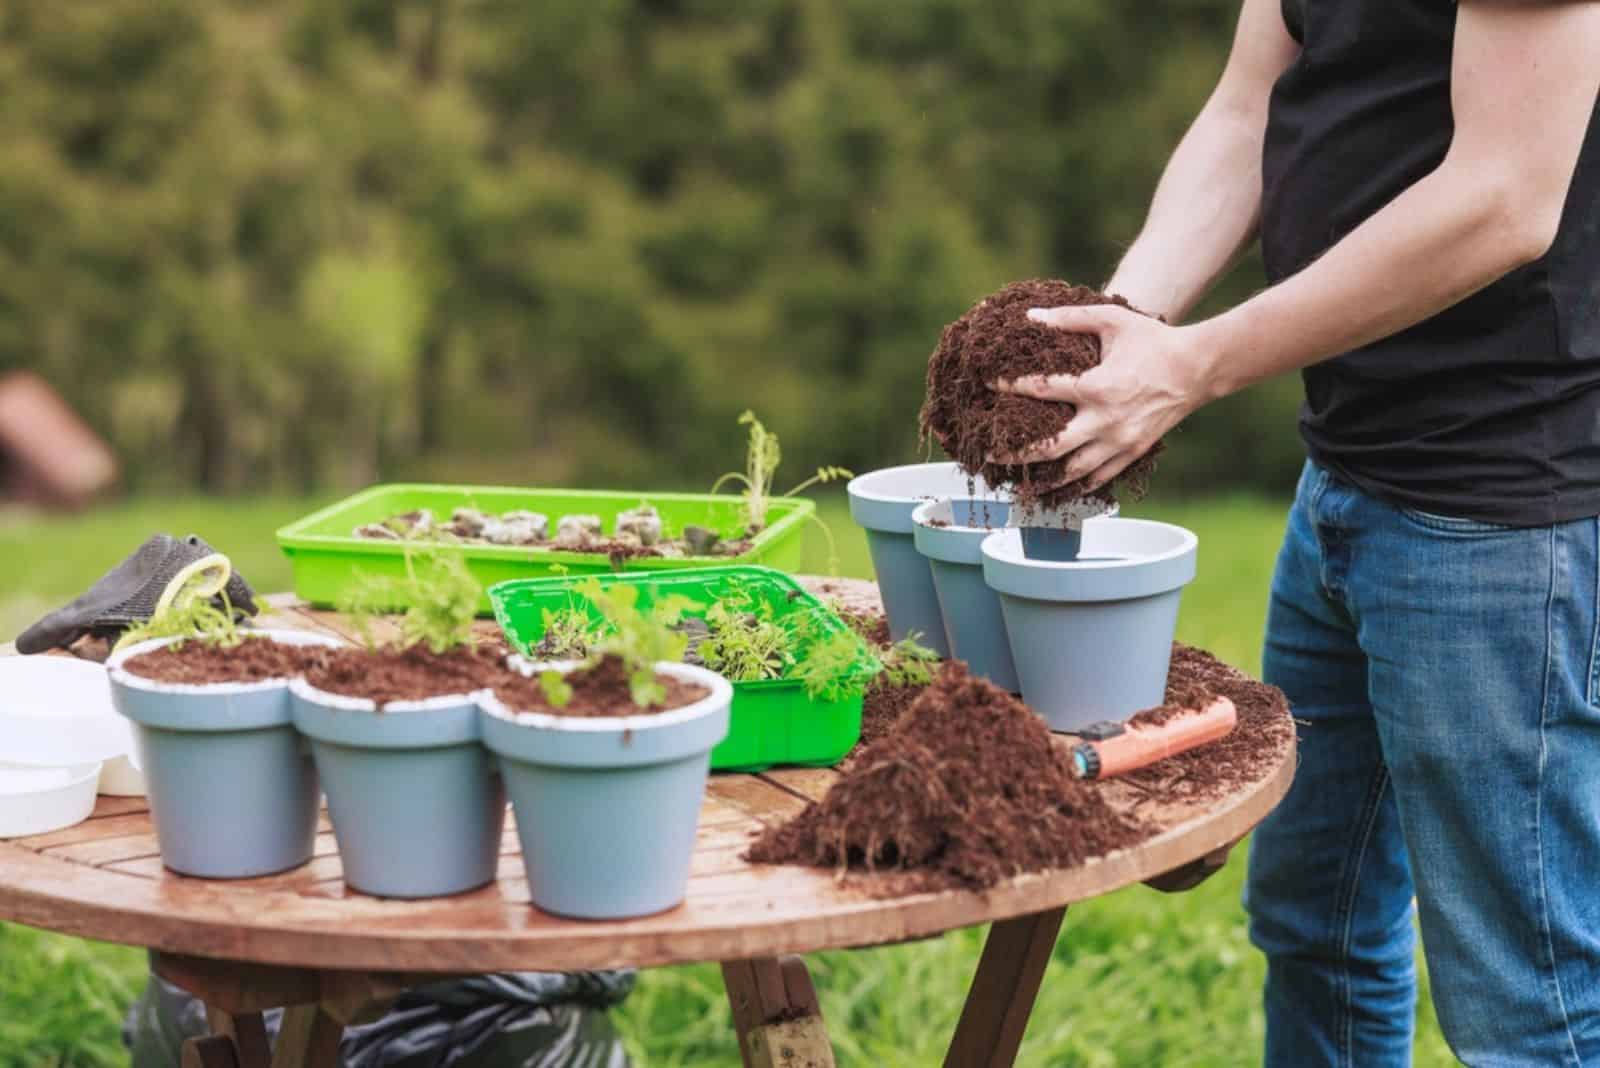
(326, 556)
(773, 722)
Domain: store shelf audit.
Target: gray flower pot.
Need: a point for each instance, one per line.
(607, 807)
(232, 788)
(950, 534)
(1092, 639)
(416, 804)
(881, 502)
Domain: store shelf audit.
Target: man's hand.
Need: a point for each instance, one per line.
(1149, 378)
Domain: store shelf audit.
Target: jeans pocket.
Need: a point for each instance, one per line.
(1451, 524)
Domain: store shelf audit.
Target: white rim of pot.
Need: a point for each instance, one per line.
(721, 693)
(998, 546)
(345, 703)
(859, 486)
(123, 677)
(928, 510)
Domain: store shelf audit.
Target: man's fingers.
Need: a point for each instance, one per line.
(1051, 448)
(1081, 318)
(1062, 388)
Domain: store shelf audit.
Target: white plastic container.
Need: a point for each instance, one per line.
(40, 800)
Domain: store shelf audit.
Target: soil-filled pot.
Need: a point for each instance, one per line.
(881, 502)
(232, 788)
(416, 804)
(1092, 639)
(607, 806)
(950, 535)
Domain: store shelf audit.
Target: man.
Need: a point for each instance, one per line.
(1425, 177)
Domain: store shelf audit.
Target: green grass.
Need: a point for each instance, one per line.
(1138, 978)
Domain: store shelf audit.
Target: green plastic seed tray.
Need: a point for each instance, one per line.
(327, 556)
(773, 721)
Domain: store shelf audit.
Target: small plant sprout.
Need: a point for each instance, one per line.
(568, 634)
(640, 638)
(556, 688)
(186, 608)
(440, 595)
(745, 644)
(909, 663)
(828, 669)
(761, 466)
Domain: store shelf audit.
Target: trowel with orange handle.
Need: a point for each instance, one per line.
(1108, 749)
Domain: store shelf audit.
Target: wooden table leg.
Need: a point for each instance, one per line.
(1001, 999)
(213, 1051)
(776, 1014)
(248, 1033)
(309, 1038)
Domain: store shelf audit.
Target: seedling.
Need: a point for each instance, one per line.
(827, 670)
(556, 688)
(745, 644)
(186, 609)
(440, 594)
(761, 466)
(641, 638)
(568, 634)
(908, 662)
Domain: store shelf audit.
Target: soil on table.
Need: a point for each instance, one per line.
(410, 673)
(965, 792)
(197, 663)
(599, 690)
(882, 708)
(1214, 771)
(996, 340)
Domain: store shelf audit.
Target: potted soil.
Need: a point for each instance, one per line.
(881, 502)
(950, 535)
(606, 762)
(232, 790)
(415, 802)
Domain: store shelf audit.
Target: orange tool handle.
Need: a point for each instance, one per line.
(1137, 746)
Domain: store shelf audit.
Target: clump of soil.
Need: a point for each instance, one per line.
(996, 340)
(873, 627)
(411, 673)
(965, 792)
(1214, 771)
(598, 690)
(882, 708)
(197, 663)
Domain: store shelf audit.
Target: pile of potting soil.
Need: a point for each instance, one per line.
(1214, 771)
(412, 673)
(197, 663)
(881, 709)
(966, 791)
(600, 689)
(995, 340)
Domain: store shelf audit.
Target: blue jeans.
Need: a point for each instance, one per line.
(1444, 673)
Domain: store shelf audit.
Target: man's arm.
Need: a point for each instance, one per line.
(1208, 203)
(1523, 88)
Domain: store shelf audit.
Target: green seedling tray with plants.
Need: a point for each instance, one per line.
(327, 557)
(809, 716)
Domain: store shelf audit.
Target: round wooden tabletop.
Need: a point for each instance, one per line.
(103, 879)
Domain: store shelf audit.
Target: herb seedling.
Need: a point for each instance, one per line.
(761, 466)
(908, 662)
(827, 671)
(440, 595)
(568, 634)
(641, 638)
(745, 644)
(556, 688)
(186, 608)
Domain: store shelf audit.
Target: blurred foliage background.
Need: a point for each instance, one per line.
(294, 245)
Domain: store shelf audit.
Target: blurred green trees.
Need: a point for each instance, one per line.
(301, 242)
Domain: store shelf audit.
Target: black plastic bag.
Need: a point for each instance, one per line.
(512, 1020)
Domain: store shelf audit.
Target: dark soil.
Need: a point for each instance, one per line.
(414, 673)
(1216, 770)
(255, 659)
(601, 690)
(872, 627)
(996, 340)
(965, 792)
(882, 709)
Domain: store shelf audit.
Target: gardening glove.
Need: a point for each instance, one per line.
(1193, 873)
(127, 594)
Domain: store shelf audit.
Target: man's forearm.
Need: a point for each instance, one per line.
(1444, 239)
(1204, 212)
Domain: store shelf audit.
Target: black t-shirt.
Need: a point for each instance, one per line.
(1491, 409)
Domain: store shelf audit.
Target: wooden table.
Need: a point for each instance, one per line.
(334, 957)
